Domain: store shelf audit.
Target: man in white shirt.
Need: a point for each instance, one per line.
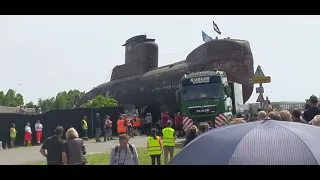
(27, 135)
(38, 128)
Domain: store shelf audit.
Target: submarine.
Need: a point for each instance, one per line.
(140, 82)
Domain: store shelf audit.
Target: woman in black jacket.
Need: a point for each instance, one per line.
(75, 148)
(192, 134)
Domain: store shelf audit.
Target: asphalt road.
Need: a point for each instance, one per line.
(25, 155)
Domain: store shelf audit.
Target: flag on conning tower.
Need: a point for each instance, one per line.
(216, 28)
(205, 37)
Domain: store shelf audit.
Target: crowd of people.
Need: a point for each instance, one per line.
(160, 141)
(124, 126)
(58, 152)
(73, 151)
(310, 114)
(132, 126)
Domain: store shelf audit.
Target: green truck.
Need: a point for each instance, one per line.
(205, 95)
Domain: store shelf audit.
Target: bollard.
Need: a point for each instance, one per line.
(6, 146)
(1, 145)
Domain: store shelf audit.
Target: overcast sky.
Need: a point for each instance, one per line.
(48, 54)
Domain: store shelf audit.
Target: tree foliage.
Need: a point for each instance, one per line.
(46, 104)
(100, 101)
(2, 98)
(11, 98)
(63, 100)
(30, 105)
(68, 99)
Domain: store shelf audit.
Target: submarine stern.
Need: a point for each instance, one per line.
(232, 56)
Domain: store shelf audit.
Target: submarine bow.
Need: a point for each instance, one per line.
(141, 82)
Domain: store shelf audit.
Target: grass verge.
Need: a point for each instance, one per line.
(104, 158)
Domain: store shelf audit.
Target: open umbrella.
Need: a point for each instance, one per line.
(266, 142)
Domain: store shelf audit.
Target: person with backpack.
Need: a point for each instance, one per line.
(128, 123)
(124, 153)
(155, 147)
(107, 129)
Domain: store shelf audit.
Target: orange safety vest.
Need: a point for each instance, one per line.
(121, 127)
(110, 123)
(136, 123)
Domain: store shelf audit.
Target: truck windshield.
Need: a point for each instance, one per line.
(201, 91)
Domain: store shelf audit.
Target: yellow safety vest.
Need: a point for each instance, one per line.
(154, 146)
(13, 134)
(85, 124)
(168, 137)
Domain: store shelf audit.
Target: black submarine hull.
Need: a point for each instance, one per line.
(157, 88)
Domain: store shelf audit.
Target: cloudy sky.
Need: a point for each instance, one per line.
(48, 54)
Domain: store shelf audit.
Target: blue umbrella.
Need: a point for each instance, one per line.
(266, 142)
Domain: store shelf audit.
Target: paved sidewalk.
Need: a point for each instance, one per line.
(24, 155)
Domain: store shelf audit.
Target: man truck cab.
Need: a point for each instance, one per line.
(204, 95)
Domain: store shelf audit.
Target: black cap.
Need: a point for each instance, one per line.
(313, 99)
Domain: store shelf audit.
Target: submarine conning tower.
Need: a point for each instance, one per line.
(141, 56)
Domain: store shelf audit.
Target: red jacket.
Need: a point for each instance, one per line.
(178, 120)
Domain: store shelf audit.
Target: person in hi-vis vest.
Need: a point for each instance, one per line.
(154, 147)
(84, 126)
(13, 135)
(107, 128)
(136, 122)
(168, 141)
(38, 128)
(121, 126)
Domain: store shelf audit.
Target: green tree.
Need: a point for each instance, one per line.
(61, 100)
(64, 99)
(10, 98)
(100, 101)
(46, 104)
(19, 100)
(30, 105)
(2, 99)
(73, 97)
(68, 99)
